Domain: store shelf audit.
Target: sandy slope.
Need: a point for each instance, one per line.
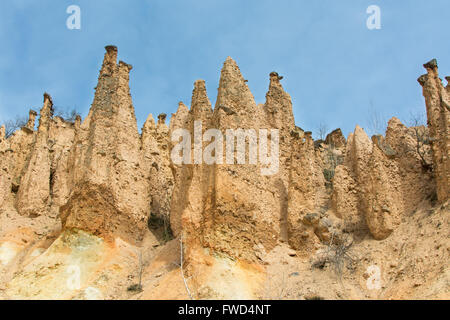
(413, 264)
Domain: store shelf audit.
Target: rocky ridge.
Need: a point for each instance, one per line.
(100, 182)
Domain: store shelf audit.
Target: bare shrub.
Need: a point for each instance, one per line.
(68, 115)
(376, 121)
(277, 288)
(337, 254)
(423, 140)
(21, 121)
(14, 124)
(322, 130)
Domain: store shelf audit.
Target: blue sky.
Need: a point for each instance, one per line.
(334, 68)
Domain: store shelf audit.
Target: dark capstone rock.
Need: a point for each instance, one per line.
(162, 117)
(275, 75)
(422, 79)
(431, 64)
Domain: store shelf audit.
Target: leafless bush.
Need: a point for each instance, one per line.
(337, 254)
(322, 130)
(68, 115)
(21, 121)
(276, 287)
(376, 121)
(12, 125)
(422, 137)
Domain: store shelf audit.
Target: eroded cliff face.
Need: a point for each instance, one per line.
(240, 208)
(110, 186)
(100, 181)
(380, 180)
(438, 113)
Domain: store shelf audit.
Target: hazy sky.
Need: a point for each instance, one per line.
(334, 68)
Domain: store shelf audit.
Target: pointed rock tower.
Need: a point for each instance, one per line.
(34, 191)
(230, 206)
(437, 99)
(193, 187)
(156, 152)
(110, 195)
(5, 167)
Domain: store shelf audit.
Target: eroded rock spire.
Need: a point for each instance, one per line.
(234, 96)
(34, 192)
(278, 105)
(111, 192)
(437, 99)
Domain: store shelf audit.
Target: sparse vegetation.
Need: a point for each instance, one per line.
(337, 254)
(328, 174)
(18, 122)
(322, 130)
(376, 121)
(278, 288)
(137, 287)
(14, 124)
(332, 161)
(68, 115)
(423, 140)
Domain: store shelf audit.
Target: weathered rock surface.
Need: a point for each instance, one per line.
(98, 179)
(180, 172)
(306, 194)
(231, 207)
(34, 192)
(110, 194)
(336, 139)
(156, 152)
(5, 176)
(105, 178)
(437, 101)
(380, 180)
(350, 182)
